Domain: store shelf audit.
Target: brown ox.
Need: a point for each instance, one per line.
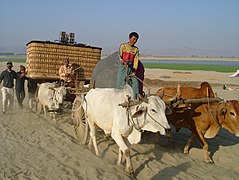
(205, 120)
(186, 92)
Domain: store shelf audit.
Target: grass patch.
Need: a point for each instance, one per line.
(19, 60)
(190, 67)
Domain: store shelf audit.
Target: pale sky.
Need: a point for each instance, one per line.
(203, 24)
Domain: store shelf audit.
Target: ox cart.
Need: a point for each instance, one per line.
(44, 58)
(176, 101)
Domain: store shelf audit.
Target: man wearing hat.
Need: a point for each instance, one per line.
(8, 76)
(19, 86)
(65, 72)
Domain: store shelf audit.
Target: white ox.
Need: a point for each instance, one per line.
(102, 108)
(51, 97)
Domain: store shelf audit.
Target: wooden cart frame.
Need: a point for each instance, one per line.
(44, 59)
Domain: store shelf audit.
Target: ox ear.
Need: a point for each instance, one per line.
(168, 111)
(139, 113)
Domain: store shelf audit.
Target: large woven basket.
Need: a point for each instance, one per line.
(45, 58)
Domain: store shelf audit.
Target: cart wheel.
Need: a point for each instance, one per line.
(79, 123)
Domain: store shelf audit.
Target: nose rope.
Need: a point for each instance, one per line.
(131, 119)
(143, 82)
(216, 120)
(54, 98)
(155, 120)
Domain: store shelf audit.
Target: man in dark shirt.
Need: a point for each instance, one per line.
(20, 86)
(8, 76)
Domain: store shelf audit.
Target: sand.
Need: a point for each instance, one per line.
(35, 148)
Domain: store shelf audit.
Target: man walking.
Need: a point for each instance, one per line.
(8, 76)
(20, 86)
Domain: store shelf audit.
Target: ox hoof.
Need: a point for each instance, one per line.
(129, 171)
(98, 155)
(186, 151)
(209, 161)
(119, 164)
(90, 146)
(131, 174)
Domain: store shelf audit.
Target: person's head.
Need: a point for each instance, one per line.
(22, 69)
(133, 38)
(66, 61)
(9, 65)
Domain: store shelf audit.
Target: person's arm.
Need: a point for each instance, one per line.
(61, 72)
(71, 70)
(136, 62)
(25, 76)
(1, 77)
(19, 76)
(121, 51)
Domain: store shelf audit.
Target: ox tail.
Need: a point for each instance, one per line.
(36, 93)
(93, 86)
(92, 83)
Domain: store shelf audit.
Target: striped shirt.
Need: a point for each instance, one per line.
(130, 53)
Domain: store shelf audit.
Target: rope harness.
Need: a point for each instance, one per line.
(217, 114)
(55, 100)
(131, 119)
(226, 116)
(216, 120)
(155, 120)
(137, 123)
(129, 81)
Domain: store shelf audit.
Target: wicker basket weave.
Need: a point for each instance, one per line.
(45, 58)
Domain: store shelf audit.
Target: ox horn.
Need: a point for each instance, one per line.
(160, 93)
(68, 88)
(131, 103)
(141, 98)
(52, 88)
(171, 100)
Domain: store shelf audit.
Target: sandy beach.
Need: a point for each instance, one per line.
(35, 148)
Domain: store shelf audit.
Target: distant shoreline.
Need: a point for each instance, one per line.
(185, 58)
(182, 58)
(177, 58)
